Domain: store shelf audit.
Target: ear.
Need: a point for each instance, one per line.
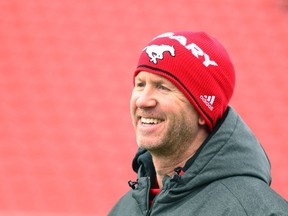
(201, 121)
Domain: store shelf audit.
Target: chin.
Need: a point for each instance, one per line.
(149, 146)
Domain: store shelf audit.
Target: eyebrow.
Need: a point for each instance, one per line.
(158, 80)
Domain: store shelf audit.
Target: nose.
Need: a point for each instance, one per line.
(146, 98)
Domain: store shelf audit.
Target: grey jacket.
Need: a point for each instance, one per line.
(229, 175)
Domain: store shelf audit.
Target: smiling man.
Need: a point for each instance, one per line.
(165, 122)
(196, 156)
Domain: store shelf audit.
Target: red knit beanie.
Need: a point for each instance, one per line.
(198, 65)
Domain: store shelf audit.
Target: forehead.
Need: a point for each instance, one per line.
(143, 75)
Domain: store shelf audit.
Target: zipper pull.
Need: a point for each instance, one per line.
(178, 172)
(133, 184)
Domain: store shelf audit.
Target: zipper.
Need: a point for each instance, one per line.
(147, 197)
(152, 204)
(151, 207)
(178, 172)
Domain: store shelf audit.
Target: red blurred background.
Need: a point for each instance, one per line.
(66, 140)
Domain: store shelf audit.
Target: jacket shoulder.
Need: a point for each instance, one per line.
(255, 196)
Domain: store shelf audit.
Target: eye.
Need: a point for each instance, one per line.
(140, 84)
(163, 87)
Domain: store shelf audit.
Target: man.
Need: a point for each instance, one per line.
(196, 156)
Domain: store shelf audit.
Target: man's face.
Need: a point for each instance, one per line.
(163, 118)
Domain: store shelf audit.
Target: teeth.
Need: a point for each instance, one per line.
(150, 120)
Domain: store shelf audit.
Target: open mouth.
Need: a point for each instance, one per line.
(150, 121)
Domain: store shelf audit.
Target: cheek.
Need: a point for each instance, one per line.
(132, 106)
(187, 115)
(132, 102)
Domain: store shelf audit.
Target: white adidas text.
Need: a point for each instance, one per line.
(208, 100)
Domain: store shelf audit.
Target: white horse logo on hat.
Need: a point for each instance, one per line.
(156, 52)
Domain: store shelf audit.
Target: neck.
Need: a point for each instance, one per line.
(166, 167)
(165, 164)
